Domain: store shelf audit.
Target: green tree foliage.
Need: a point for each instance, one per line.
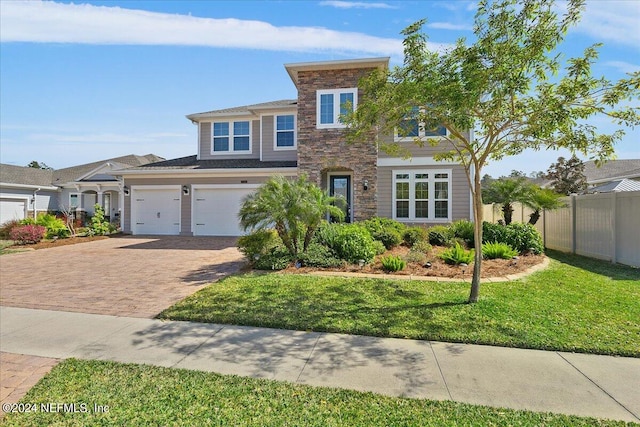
(567, 176)
(510, 86)
(99, 224)
(294, 208)
(37, 165)
(506, 191)
(540, 199)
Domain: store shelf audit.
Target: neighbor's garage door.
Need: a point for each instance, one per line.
(11, 209)
(215, 211)
(155, 211)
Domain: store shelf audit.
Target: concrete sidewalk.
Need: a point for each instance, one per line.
(576, 384)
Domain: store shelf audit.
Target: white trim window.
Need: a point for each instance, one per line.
(331, 104)
(412, 128)
(74, 201)
(231, 137)
(285, 132)
(421, 195)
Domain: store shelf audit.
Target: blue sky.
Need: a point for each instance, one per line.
(85, 81)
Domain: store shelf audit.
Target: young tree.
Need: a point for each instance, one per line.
(508, 87)
(506, 191)
(567, 176)
(540, 199)
(295, 208)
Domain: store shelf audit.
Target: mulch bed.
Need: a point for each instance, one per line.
(43, 244)
(490, 268)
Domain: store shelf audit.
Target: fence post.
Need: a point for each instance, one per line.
(614, 204)
(573, 224)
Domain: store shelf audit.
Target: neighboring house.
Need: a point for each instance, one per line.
(240, 148)
(28, 191)
(611, 171)
(616, 186)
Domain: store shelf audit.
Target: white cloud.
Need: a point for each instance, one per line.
(356, 5)
(449, 26)
(622, 66)
(49, 22)
(614, 20)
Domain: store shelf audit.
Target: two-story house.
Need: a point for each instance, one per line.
(239, 148)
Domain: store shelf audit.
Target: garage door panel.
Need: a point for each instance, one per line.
(156, 212)
(12, 209)
(215, 211)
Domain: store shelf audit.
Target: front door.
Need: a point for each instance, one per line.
(340, 188)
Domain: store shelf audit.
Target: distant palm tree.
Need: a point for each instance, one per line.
(540, 199)
(294, 208)
(505, 192)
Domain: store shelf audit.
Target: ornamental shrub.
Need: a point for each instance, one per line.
(353, 243)
(6, 227)
(278, 258)
(389, 237)
(413, 235)
(318, 255)
(258, 243)
(498, 250)
(99, 225)
(457, 255)
(422, 246)
(463, 229)
(439, 235)
(26, 234)
(392, 263)
(494, 232)
(386, 230)
(524, 238)
(55, 226)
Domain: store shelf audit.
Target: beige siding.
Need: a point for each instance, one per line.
(205, 143)
(268, 137)
(427, 150)
(460, 195)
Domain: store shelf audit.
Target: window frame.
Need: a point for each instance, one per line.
(422, 133)
(231, 136)
(276, 131)
(431, 198)
(336, 124)
(78, 201)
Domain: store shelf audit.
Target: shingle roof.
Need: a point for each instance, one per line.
(62, 176)
(283, 103)
(192, 163)
(11, 174)
(613, 169)
(617, 185)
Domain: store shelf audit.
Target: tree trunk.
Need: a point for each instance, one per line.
(507, 211)
(534, 217)
(477, 235)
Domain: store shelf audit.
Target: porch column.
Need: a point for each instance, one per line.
(99, 200)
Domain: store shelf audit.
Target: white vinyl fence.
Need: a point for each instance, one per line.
(604, 226)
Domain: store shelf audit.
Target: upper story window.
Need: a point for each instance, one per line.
(285, 138)
(229, 137)
(422, 195)
(331, 104)
(412, 128)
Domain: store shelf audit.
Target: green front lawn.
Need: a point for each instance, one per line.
(137, 395)
(577, 304)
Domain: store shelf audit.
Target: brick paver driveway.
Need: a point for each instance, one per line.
(124, 276)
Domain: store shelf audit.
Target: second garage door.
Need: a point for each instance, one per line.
(215, 211)
(12, 209)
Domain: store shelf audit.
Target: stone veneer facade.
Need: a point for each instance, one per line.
(325, 150)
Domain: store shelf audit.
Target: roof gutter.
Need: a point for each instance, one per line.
(28, 186)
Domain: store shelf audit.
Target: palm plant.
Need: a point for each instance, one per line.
(294, 208)
(505, 191)
(540, 199)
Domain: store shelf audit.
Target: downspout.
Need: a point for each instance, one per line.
(35, 210)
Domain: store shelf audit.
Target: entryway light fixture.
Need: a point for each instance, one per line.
(365, 184)
(125, 190)
(185, 190)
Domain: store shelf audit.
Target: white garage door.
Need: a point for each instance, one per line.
(155, 211)
(215, 211)
(11, 209)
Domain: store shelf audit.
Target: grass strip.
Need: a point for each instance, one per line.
(577, 304)
(150, 396)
